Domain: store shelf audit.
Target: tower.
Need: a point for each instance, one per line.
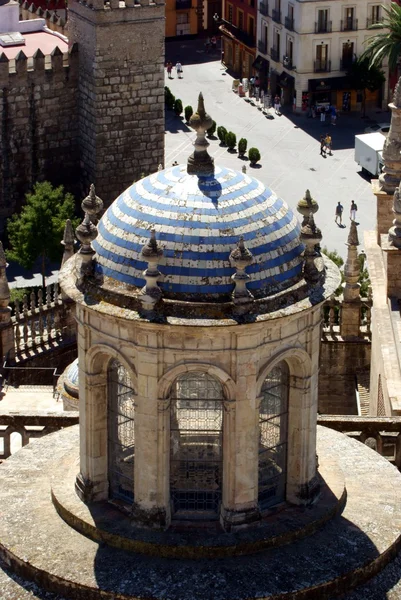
(121, 90)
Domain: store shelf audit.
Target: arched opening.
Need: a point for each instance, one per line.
(196, 446)
(121, 433)
(273, 436)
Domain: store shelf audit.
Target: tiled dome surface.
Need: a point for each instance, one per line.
(71, 379)
(198, 222)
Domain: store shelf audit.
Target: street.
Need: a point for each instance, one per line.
(289, 144)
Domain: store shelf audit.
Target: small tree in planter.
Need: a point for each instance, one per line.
(211, 130)
(188, 112)
(231, 140)
(221, 134)
(169, 98)
(253, 155)
(178, 107)
(242, 146)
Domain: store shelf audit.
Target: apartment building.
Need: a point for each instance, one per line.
(304, 49)
(238, 35)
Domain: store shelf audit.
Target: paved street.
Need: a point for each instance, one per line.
(289, 145)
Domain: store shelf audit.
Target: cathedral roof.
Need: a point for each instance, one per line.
(198, 220)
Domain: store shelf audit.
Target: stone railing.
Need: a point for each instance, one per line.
(40, 321)
(383, 434)
(23, 425)
(332, 318)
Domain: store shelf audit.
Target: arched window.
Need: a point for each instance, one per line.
(121, 433)
(273, 425)
(196, 446)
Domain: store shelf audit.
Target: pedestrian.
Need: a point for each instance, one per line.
(207, 45)
(323, 146)
(333, 113)
(313, 111)
(339, 213)
(352, 212)
(277, 105)
(328, 143)
(178, 68)
(169, 69)
(322, 114)
(214, 42)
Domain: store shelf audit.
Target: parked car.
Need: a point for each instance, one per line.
(379, 127)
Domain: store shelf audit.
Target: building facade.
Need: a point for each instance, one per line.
(239, 36)
(305, 49)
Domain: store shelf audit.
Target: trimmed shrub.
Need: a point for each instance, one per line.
(169, 98)
(211, 131)
(221, 134)
(253, 155)
(188, 112)
(178, 107)
(242, 146)
(231, 140)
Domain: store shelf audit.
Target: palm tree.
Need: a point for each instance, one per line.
(386, 44)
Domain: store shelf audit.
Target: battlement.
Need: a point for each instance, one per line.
(102, 11)
(54, 21)
(106, 5)
(57, 63)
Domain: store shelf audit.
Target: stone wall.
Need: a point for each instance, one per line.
(38, 126)
(121, 92)
(339, 361)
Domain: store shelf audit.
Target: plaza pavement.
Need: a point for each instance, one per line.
(289, 144)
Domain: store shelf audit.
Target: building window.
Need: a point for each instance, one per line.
(374, 13)
(230, 13)
(290, 49)
(347, 55)
(349, 22)
(196, 447)
(121, 433)
(240, 19)
(273, 434)
(251, 26)
(182, 18)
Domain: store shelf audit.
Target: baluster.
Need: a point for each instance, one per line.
(17, 310)
(368, 320)
(17, 336)
(332, 318)
(55, 294)
(33, 301)
(49, 323)
(56, 312)
(25, 325)
(40, 307)
(48, 297)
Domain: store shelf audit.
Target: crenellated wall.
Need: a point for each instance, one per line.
(38, 124)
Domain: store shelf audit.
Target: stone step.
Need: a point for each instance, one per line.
(40, 546)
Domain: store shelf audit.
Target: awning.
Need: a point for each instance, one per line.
(286, 80)
(332, 83)
(260, 63)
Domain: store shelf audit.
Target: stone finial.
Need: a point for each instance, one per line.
(306, 206)
(394, 233)
(92, 204)
(352, 266)
(86, 232)
(244, 169)
(241, 258)
(311, 236)
(391, 175)
(151, 253)
(200, 162)
(68, 241)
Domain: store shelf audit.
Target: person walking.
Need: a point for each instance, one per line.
(277, 105)
(333, 113)
(323, 146)
(328, 143)
(339, 213)
(322, 114)
(169, 69)
(352, 212)
(178, 68)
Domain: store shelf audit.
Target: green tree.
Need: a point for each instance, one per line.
(388, 43)
(38, 230)
(364, 76)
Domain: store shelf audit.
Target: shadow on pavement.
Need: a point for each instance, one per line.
(190, 52)
(175, 124)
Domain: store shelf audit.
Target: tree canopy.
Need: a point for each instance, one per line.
(388, 43)
(38, 230)
(364, 76)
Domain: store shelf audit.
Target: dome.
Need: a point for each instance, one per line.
(198, 220)
(71, 379)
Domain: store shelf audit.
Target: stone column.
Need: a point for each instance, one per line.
(391, 246)
(351, 305)
(6, 326)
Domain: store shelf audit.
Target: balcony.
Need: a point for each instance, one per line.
(183, 4)
(349, 25)
(276, 15)
(323, 27)
(287, 62)
(274, 54)
(373, 22)
(322, 66)
(234, 32)
(289, 23)
(345, 63)
(262, 46)
(264, 9)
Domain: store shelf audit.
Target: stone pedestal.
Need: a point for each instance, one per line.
(350, 319)
(384, 208)
(392, 265)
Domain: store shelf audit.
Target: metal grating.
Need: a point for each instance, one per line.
(196, 447)
(121, 433)
(273, 425)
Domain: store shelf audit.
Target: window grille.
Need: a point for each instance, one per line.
(196, 450)
(121, 433)
(273, 422)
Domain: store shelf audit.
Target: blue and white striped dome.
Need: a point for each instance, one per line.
(198, 222)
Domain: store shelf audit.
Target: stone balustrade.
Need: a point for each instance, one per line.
(22, 424)
(332, 317)
(383, 434)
